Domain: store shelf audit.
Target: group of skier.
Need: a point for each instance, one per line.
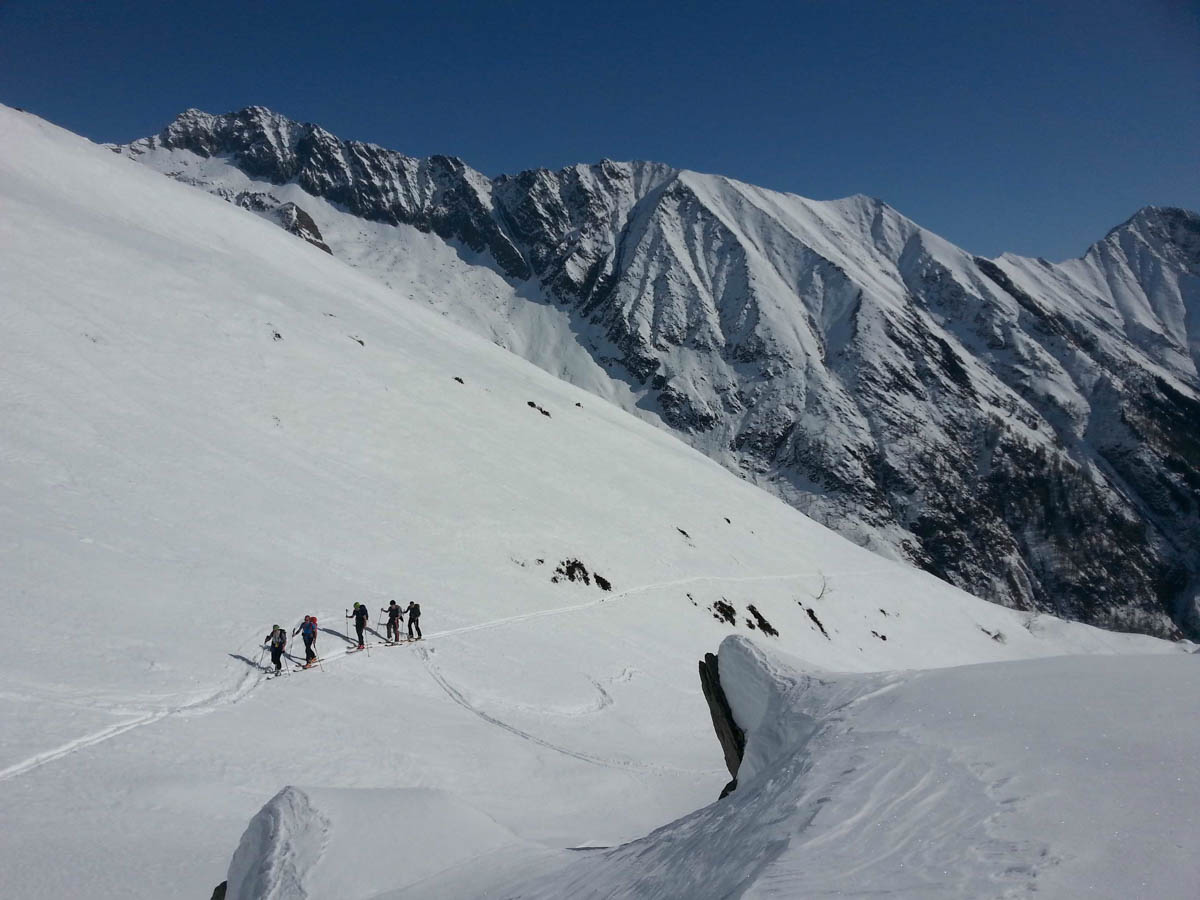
(277, 640)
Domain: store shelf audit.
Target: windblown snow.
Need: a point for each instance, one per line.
(210, 427)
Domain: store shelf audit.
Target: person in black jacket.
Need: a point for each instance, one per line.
(414, 620)
(360, 616)
(277, 641)
(393, 621)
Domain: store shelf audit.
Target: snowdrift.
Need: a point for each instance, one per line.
(322, 842)
(1052, 777)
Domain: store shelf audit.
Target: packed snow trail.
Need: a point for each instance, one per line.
(605, 598)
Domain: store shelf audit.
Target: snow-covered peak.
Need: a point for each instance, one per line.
(1167, 235)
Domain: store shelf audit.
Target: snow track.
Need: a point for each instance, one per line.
(90, 740)
(251, 680)
(629, 592)
(461, 699)
(220, 698)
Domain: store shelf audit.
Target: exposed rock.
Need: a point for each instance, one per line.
(761, 620)
(724, 612)
(571, 570)
(812, 615)
(733, 740)
(294, 220)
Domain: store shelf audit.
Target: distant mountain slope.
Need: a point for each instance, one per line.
(1026, 430)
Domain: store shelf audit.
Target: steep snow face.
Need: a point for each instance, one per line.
(210, 426)
(974, 417)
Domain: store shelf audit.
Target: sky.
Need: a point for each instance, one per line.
(1029, 127)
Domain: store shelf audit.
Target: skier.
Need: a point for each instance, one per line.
(308, 631)
(359, 615)
(277, 641)
(414, 615)
(393, 621)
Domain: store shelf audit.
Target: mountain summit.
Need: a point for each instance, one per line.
(1029, 431)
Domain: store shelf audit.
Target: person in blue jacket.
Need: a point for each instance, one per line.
(308, 633)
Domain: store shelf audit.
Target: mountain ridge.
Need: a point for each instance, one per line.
(1024, 429)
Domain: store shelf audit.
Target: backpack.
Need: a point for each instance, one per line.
(414, 610)
(308, 629)
(279, 640)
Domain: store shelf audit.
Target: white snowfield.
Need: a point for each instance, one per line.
(210, 426)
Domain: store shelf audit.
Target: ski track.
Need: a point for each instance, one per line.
(458, 697)
(222, 697)
(229, 695)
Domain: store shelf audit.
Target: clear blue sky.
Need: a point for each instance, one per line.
(1011, 125)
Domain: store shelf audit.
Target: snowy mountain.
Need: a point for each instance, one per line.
(1028, 431)
(210, 426)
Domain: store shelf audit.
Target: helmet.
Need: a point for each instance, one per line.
(357, 605)
(274, 627)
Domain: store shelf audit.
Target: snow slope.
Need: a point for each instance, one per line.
(209, 426)
(1048, 777)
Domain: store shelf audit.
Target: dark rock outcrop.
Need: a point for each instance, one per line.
(733, 740)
